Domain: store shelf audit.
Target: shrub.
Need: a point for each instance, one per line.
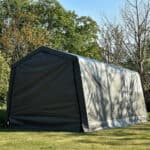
(4, 77)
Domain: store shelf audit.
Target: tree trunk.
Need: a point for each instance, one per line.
(141, 72)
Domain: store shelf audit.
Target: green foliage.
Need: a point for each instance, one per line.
(26, 25)
(68, 31)
(21, 32)
(4, 77)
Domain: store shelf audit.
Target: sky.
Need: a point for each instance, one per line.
(97, 9)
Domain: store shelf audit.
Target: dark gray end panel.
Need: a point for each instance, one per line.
(44, 94)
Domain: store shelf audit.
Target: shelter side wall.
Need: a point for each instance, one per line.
(113, 96)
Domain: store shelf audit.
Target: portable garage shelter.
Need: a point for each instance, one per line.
(55, 90)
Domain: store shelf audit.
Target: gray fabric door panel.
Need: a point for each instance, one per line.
(44, 88)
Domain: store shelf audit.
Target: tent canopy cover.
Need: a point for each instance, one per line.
(59, 91)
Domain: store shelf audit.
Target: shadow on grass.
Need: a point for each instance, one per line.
(116, 142)
(140, 127)
(132, 136)
(109, 132)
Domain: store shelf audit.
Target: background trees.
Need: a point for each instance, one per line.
(112, 42)
(4, 77)
(136, 17)
(26, 25)
(20, 31)
(68, 31)
(127, 43)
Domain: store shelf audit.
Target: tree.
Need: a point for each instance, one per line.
(87, 36)
(26, 25)
(69, 31)
(112, 37)
(20, 31)
(127, 43)
(147, 68)
(136, 18)
(4, 77)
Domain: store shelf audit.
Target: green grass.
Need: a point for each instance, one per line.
(131, 138)
(149, 116)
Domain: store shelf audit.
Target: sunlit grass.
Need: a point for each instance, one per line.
(131, 138)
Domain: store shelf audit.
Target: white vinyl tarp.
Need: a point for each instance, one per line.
(113, 95)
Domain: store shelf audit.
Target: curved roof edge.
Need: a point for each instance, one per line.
(45, 50)
(67, 55)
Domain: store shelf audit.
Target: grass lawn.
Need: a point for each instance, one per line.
(131, 138)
